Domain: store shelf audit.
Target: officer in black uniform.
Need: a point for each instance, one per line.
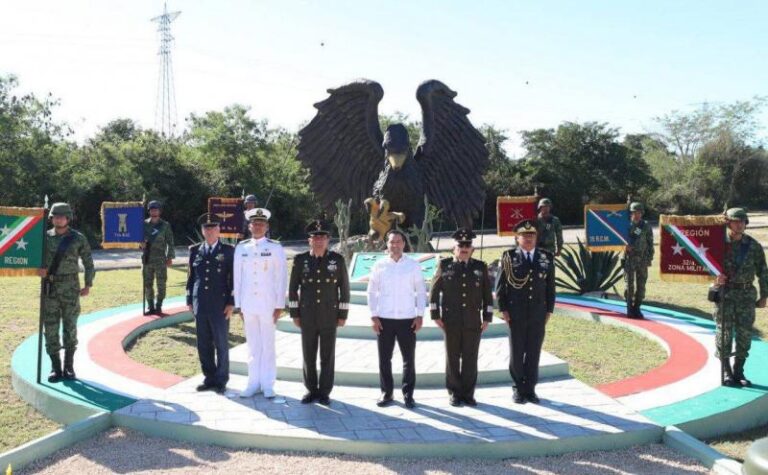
(318, 299)
(209, 298)
(461, 303)
(526, 296)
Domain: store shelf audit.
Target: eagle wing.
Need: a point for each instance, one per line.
(451, 153)
(342, 145)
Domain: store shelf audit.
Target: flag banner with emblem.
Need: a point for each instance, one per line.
(511, 211)
(692, 247)
(607, 227)
(122, 224)
(21, 240)
(230, 212)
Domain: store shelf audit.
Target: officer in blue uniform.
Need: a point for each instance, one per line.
(210, 299)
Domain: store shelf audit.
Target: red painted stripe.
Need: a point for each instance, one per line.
(686, 356)
(21, 233)
(106, 350)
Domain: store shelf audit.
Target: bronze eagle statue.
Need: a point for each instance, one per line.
(348, 156)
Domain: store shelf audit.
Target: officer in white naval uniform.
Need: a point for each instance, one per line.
(260, 281)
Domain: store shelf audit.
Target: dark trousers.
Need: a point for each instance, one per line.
(461, 349)
(526, 335)
(213, 347)
(310, 337)
(401, 331)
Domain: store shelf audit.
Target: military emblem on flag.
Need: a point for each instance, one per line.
(21, 240)
(607, 227)
(122, 224)
(511, 210)
(230, 213)
(692, 247)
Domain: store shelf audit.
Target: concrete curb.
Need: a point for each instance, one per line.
(686, 444)
(61, 439)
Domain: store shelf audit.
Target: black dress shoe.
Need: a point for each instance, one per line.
(308, 398)
(533, 398)
(204, 387)
(384, 400)
(517, 396)
(220, 389)
(150, 311)
(454, 401)
(470, 401)
(324, 400)
(409, 402)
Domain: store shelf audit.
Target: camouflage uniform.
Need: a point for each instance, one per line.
(161, 249)
(744, 260)
(549, 230)
(637, 259)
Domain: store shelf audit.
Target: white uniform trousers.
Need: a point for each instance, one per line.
(262, 361)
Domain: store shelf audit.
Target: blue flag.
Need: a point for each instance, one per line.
(122, 224)
(607, 227)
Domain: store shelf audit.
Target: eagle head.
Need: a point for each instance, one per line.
(396, 145)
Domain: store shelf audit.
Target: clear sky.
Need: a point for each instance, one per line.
(517, 65)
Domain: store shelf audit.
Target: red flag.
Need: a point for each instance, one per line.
(692, 248)
(511, 211)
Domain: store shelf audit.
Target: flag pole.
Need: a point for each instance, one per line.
(724, 356)
(143, 287)
(42, 300)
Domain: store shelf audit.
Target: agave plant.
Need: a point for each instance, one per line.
(588, 271)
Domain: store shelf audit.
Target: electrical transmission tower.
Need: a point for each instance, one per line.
(165, 105)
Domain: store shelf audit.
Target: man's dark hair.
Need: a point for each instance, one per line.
(395, 231)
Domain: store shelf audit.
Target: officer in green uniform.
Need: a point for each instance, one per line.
(318, 299)
(638, 256)
(158, 254)
(62, 292)
(549, 229)
(461, 303)
(744, 260)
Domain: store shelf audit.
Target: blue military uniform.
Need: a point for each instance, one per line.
(209, 291)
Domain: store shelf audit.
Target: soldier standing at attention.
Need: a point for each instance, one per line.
(526, 295)
(744, 260)
(250, 202)
(637, 258)
(64, 246)
(549, 229)
(318, 299)
(209, 298)
(158, 254)
(461, 303)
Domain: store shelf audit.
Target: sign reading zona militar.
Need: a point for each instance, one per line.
(692, 247)
(21, 240)
(511, 211)
(122, 224)
(607, 227)
(230, 212)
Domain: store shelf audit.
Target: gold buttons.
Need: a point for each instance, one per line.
(463, 285)
(318, 291)
(206, 287)
(318, 271)
(318, 300)
(463, 305)
(464, 295)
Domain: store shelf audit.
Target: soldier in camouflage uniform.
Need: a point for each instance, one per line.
(61, 300)
(549, 229)
(637, 258)
(158, 254)
(250, 202)
(744, 260)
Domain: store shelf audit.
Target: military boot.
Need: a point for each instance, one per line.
(630, 309)
(729, 380)
(159, 307)
(69, 359)
(638, 313)
(55, 374)
(738, 373)
(150, 308)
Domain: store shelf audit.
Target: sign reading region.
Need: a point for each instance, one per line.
(692, 247)
(21, 240)
(362, 263)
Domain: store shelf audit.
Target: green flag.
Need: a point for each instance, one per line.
(21, 240)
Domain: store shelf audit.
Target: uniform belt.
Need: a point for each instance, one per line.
(739, 285)
(62, 277)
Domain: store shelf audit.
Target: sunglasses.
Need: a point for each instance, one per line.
(465, 244)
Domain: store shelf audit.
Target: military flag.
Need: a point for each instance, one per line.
(122, 224)
(21, 240)
(692, 247)
(511, 210)
(230, 212)
(607, 227)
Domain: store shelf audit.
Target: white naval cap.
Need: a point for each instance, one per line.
(258, 214)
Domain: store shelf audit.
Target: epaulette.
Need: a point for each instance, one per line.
(196, 245)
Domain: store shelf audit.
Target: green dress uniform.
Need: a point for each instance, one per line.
(637, 259)
(461, 296)
(61, 301)
(550, 233)
(318, 295)
(744, 261)
(159, 247)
